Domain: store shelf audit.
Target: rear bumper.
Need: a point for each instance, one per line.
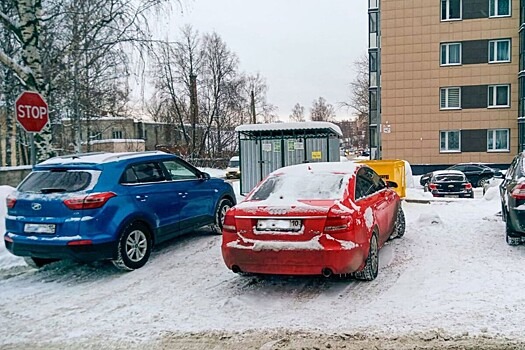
(293, 262)
(22, 246)
(517, 222)
(469, 194)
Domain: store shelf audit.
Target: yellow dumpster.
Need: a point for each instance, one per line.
(391, 170)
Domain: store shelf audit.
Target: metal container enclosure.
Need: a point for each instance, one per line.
(264, 148)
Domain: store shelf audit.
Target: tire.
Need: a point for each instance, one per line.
(369, 272)
(220, 212)
(509, 237)
(38, 262)
(134, 247)
(482, 181)
(399, 225)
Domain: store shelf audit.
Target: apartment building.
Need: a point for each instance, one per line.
(445, 83)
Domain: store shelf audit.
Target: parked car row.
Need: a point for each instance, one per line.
(307, 219)
(117, 206)
(478, 174)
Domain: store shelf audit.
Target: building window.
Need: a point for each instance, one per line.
(498, 140)
(450, 98)
(499, 51)
(373, 65)
(499, 96)
(373, 27)
(117, 134)
(450, 10)
(450, 141)
(373, 4)
(95, 135)
(450, 54)
(499, 8)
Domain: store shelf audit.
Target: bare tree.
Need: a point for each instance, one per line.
(359, 88)
(297, 113)
(81, 35)
(175, 64)
(322, 111)
(264, 111)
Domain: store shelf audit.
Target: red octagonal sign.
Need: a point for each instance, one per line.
(31, 111)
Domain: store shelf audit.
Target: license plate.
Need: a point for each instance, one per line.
(278, 225)
(39, 228)
(452, 196)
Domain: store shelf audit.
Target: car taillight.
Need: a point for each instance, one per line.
(432, 187)
(92, 201)
(518, 192)
(229, 222)
(10, 201)
(468, 186)
(337, 224)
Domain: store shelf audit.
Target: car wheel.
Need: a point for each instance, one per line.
(399, 225)
(509, 237)
(369, 272)
(483, 181)
(220, 213)
(38, 262)
(134, 247)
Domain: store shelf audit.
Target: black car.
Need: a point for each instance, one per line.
(512, 191)
(478, 174)
(450, 183)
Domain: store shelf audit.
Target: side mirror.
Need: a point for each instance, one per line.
(391, 184)
(205, 176)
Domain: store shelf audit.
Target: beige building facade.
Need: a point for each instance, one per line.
(445, 80)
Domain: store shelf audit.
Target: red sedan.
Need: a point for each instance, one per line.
(314, 219)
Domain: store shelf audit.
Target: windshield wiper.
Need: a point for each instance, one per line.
(52, 190)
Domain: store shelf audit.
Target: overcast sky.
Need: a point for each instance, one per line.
(304, 48)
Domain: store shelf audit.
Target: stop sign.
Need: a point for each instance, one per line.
(31, 111)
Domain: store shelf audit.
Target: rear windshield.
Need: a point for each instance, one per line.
(56, 181)
(309, 186)
(449, 177)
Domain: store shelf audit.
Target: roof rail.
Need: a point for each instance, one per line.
(113, 156)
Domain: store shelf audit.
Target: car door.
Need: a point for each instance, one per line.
(385, 205)
(196, 194)
(372, 194)
(155, 197)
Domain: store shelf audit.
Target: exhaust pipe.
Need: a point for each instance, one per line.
(326, 272)
(236, 269)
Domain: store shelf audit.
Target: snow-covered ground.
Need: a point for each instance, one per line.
(452, 273)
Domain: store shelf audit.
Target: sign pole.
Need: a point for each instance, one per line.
(33, 151)
(32, 113)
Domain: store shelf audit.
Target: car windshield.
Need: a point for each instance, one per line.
(56, 181)
(449, 177)
(234, 164)
(311, 186)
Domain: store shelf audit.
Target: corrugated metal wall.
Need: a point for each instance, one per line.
(250, 159)
(260, 156)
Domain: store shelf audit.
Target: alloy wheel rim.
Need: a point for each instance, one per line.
(136, 245)
(222, 213)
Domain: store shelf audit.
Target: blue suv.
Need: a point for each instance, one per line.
(112, 206)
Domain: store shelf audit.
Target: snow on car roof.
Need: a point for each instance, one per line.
(290, 126)
(95, 158)
(324, 167)
(443, 172)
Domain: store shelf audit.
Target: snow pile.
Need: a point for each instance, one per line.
(6, 259)
(492, 194)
